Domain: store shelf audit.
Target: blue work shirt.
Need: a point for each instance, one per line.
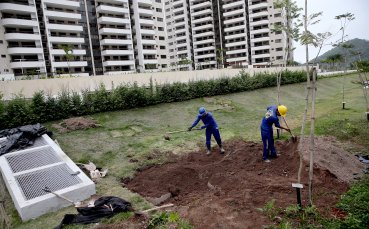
(207, 119)
(269, 119)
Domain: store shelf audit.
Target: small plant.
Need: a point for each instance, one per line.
(164, 219)
(270, 209)
(292, 210)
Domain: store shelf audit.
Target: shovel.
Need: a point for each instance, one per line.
(47, 189)
(294, 138)
(167, 137)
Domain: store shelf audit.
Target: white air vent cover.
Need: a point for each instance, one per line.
(27, 172)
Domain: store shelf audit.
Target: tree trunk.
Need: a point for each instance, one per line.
(307, 89)
(312, 143)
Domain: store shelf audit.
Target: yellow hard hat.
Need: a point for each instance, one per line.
(282, 110)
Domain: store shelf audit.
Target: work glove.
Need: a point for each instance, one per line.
(189, 128)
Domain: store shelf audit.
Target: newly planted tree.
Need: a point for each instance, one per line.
(68, 53)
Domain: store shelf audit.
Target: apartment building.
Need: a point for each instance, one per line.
(20, 40)
(95, 37)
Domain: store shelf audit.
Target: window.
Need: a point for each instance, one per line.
(163, 66)
(278, 15)
(163, 56)
(278, 41)
(279, 57)
(3, 56)
(159, 19)
(161, 38)
(162, 47)
(159, 1)
(279, 49)
(159, 10)
(1, 41)
(161, 28)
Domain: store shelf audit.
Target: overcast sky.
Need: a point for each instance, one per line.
(358, 28)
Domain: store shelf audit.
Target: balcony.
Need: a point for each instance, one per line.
(208, 55)
(260, 39)
(113, 31)
(201, 5)
(260, 47)
(201, 12)
(66, 64)
(150, 61)
(61, 52)
(265, 30)
(111, 9)
(21, 37)
(234, 20)
(235, 12)
(27, 64)
(64, 28)
(233, 4)
(148, 42)
(181, 31)
(208, 26)
(65, 4)
(118, 63)
(147, 31)
(62, 15)
(263, 55)
(259, 14)
(115, 42)
(145, 11)
(182, 52)
(18, 23)
(261, 22)
(228, 44)
(230, 52)
(235, 28)
(67, 40)
(205, 49)
(205, 34)
(204, 41)
(200, 20)
(116, 52)
(24, 50)
(146, 21)
(113, 21)
(11, 8)
(147, 2)
(258, 6)
(237, 59)
(149, 51)
(233, 36)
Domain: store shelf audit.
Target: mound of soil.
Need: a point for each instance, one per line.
(225, 191)
(78, 123)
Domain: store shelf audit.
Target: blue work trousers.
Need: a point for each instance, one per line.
(268, 143)
(213, 131)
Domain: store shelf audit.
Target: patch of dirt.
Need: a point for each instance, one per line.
(225, 191)
(78, 123)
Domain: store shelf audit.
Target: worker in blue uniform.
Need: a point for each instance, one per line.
(266, 128)
(211, 129)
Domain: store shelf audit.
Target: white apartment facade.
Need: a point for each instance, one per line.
(95, 37)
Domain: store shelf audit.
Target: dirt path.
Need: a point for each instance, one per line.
(225, 191)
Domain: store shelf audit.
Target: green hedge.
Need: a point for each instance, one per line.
(42, 108)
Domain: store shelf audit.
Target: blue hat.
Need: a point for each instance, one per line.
(202, 110)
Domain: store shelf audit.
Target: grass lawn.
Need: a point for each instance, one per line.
(135, 134)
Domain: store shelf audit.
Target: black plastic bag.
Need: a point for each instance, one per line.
(106, 206)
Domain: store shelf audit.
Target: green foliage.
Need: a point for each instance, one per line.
(44, 108)
(356, 203)
(163, 219)
(271, 210)
(17, 112)
(2, 112)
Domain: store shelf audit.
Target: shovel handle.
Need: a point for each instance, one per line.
(46, 189)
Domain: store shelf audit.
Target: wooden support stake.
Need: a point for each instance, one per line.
(298, 192)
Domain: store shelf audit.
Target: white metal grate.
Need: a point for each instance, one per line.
(32, 159)
(55, 178)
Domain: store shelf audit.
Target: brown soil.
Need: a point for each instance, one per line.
(225, 191)
(79, 123)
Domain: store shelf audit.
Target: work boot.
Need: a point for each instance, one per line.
(222, 150)
(267, 161)
(208, 153)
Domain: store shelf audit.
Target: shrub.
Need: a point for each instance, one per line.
(46, 108)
